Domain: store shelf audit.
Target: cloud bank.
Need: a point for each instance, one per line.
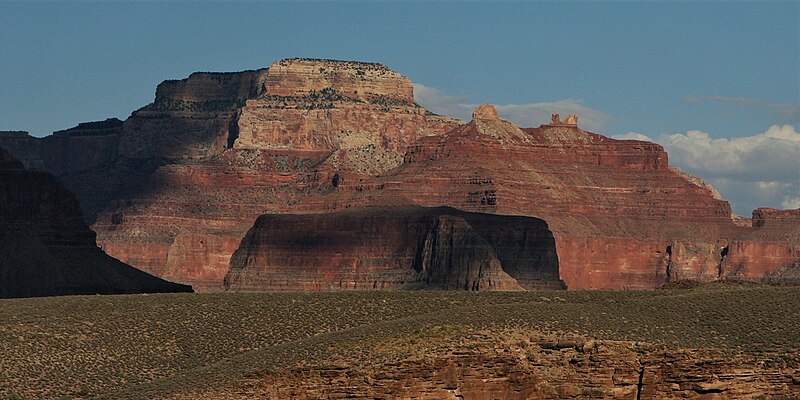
(526, 115)
(762, 170)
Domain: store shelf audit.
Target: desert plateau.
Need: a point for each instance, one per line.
(386, 200)
(696, 343)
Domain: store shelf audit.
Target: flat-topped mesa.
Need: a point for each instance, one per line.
(109, 126)
(15, 134)
(363, 109)
(194, 169)
(376, 248)
(299, 77)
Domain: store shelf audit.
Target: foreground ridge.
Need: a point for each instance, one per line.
(734, 340)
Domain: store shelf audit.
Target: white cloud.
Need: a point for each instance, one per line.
(791, 202)
(737, 101)
(771, 156)
(762, 170)
(526, 115)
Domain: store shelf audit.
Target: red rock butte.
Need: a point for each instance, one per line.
(174, 189)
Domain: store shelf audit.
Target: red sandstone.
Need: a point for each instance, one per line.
(173, 189)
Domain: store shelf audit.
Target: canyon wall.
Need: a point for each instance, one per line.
(174, 188)
(45, 247)
(621, 217)
(412, 247)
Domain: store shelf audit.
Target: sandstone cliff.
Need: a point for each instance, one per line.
(522, 365)
(621, 217)
(402, 247)
(173, 189)
(45, 247)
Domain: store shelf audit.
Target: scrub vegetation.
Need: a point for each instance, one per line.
(141, 346)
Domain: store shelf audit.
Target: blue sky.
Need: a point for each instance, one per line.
(657, 69)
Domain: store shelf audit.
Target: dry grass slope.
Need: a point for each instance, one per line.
(151, 346)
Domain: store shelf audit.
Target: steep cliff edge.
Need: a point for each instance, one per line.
(620, 215)
(521, 365)
(173, 189)
(298, 77)
(379, 248)
(45, 247)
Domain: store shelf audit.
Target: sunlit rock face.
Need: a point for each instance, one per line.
(622, 218)
(173, 189)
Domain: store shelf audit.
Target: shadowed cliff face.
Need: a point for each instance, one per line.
(46, 249)
(409, 247)
(174, 188)
(621, 217)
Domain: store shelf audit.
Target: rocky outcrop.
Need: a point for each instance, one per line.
(372, 82)
(615, 370)
(174, 188)
(45, 247)
(773, 218)
(326, 105)
(571, 120)
(400, 247)
(768, 251)
(621, 217)
(520, 365)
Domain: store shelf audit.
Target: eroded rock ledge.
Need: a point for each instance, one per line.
(410, 247)
(174, 188)
(522, 364)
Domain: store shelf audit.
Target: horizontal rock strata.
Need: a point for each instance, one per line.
(173, 189)
(621, 216)
(401, 247)
(512, 365)
(45, 247)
